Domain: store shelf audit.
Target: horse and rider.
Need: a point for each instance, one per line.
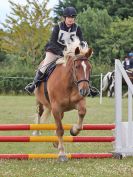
(69, 82)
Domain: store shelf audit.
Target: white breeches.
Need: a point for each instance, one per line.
(50, 57)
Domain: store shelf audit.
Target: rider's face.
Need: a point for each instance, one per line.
(69, 21)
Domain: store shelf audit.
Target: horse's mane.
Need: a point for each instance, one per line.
(72, 45)
(70, 48)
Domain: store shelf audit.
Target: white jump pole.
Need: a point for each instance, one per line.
(130, 119)
(124, 130)
(101, 86)
(118, 106)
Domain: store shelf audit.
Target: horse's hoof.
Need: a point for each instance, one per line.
(72, 132)
(55, 144)
(36, 133)
(62, 158)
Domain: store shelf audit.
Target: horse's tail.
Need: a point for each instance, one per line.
(105, 81)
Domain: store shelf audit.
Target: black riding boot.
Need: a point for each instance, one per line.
(94, 92)
(31, 87)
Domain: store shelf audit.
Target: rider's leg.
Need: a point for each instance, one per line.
(31, 87)
(50, 57)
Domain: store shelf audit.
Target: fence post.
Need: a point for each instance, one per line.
(101, 86)
(118, 106)
(124, 130)
(130, 124)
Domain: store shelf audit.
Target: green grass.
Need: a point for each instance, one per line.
(21, 109)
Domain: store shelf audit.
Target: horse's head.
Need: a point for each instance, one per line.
(79, 62)
(82, 70)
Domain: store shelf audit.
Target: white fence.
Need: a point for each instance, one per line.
(124, 130)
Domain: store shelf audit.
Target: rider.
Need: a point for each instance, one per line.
(64, 31)
(128, 62)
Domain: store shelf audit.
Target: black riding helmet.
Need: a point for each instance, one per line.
(69, 12)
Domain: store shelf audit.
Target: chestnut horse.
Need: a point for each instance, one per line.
(67, 87)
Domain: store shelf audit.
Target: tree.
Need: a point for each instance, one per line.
(93, 22)
(109, 39)
(117, 41)
(121, 8)
(27, 30)
(2, 53)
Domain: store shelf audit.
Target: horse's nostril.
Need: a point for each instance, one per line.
(83, 92)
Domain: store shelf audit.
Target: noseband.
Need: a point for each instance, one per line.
(83, 80)
(76, 81)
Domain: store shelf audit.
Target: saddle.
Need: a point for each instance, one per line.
(48, 72)
(46, 76)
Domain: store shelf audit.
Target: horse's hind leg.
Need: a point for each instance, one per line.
(81, 113)
(60, 132)
(39, 111)
(43, 114)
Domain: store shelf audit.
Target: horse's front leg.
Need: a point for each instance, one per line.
(59, 132)
(55, 144)
(81, 113)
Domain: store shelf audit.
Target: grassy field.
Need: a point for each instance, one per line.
(21, 109)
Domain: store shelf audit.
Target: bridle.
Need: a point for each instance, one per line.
(76, 81)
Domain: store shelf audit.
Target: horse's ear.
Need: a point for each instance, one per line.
(89, 53)
(77, 51)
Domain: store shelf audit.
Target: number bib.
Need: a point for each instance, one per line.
(65, 36)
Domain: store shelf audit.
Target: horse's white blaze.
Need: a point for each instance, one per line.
(84, 67)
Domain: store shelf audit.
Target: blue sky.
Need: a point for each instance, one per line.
(5, 7)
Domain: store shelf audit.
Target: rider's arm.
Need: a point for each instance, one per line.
(54, 35)
(79, 34)
(53, 45)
